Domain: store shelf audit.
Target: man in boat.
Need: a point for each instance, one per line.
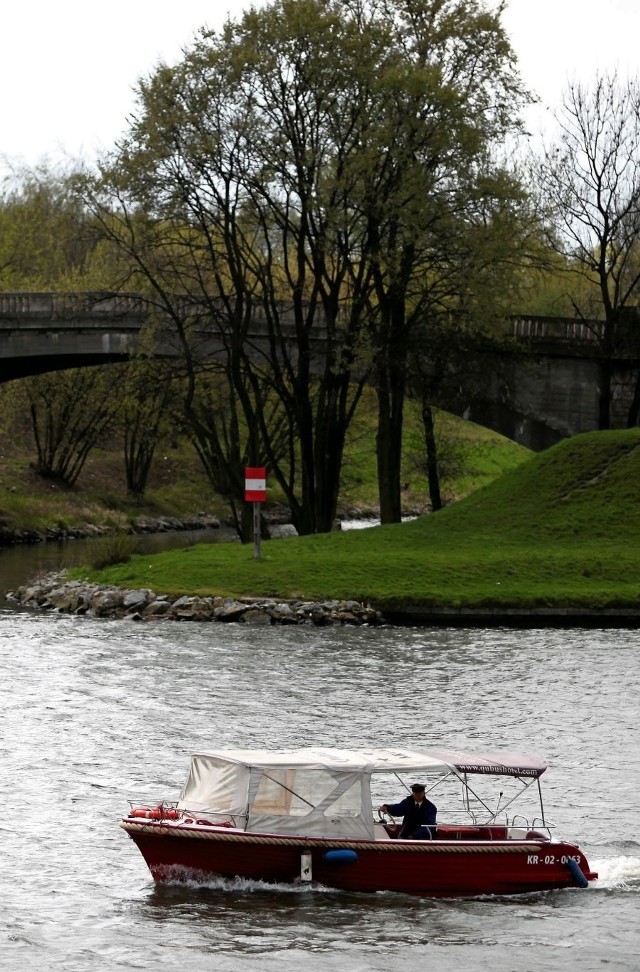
(418, 813)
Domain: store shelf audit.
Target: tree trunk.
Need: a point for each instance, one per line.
(433, 476)
(139, 448)
(389, 446)
(331, 424)
(392, 380)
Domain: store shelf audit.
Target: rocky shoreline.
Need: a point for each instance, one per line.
(82, 598)
(78, 597)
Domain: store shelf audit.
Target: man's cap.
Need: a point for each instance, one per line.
(418, 788)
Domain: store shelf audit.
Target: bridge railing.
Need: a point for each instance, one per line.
(18, 310)
(103, 306)
(51, 307)
(556, 329)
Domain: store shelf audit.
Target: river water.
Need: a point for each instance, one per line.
(99, 712)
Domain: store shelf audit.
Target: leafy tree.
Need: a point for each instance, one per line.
(590, 179)
(49, 240)
(447, 94)
(46, 236)
(308, 171)
(234, 160)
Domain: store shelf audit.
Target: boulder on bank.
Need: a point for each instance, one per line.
(98, 600)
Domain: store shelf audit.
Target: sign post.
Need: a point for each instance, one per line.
(255, 491)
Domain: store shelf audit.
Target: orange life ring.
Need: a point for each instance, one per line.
(156, 813)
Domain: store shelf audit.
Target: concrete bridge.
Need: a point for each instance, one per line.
(546, 388)
(52, 332)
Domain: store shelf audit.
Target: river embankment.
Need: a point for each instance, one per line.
(55, 593)
(550, 544)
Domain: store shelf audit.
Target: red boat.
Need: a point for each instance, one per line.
(307, 815)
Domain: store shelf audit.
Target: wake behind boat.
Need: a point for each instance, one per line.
(308, 815)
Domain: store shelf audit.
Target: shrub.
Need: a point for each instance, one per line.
(114, 548)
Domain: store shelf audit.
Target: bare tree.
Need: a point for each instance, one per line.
(71, 412)
(590, 182)
(145, 413)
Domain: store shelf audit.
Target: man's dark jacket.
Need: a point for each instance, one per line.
(414, 815)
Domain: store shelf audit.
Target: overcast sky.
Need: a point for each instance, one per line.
(67, 68)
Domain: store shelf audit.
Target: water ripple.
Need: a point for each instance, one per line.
(96, 713)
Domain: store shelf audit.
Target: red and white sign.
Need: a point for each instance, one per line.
(255, 484)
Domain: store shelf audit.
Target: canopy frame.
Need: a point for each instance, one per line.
(269, 791)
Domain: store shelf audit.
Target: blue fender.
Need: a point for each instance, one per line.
(345, 856)
(577, 874)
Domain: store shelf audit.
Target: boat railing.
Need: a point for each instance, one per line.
(518, 820)
(500, 827)
(539, 823)
(215, 816)
(172, 810)
(536, 828)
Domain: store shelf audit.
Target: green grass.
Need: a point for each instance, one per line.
(561, 529)
(471, 457)
(178, 487)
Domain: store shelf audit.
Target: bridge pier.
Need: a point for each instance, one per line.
(537, 401)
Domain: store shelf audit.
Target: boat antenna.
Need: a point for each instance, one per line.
(541, 803)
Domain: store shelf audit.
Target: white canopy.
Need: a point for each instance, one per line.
(318, 791)
(366, 760)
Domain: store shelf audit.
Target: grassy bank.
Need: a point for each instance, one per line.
(560, 529)
(471, 457)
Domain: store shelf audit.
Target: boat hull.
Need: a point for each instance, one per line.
(437, 868)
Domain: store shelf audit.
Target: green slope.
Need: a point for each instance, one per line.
(588, 486)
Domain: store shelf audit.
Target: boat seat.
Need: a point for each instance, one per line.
(463, 832)
(392, 830)
(470, 832)
(380, 832)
